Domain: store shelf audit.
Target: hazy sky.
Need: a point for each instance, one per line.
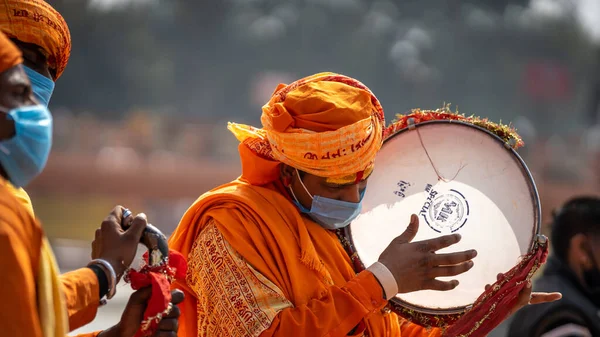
(588, 11)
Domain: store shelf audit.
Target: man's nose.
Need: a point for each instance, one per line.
(352, 194)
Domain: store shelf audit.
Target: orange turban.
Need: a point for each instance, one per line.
(36, 22)
(329, 125)
(10, 55)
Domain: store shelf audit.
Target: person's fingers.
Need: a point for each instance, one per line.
(411, 231)
(168, 324)
(441, 285)
(115, 214)
(451, 258)
(524, 296)
(126, 218)
(96, 241)
(432, 245)
(174, 313)
(141, 296)
(450, 270)
(165, 334)
(537, 298)
(138, 224)
(177, 296)
(112, 222)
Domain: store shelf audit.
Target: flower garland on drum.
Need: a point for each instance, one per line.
(505, 132)
(494, 305)
(159, 278)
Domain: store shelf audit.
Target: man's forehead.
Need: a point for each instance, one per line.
(352, 178)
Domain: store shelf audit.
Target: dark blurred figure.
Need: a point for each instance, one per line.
(573, 270)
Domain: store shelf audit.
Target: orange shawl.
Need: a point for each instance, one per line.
(308, 125)
(296, 254)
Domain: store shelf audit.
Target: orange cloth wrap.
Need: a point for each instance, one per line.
(301, 258)
(36, 22)
(318, 115)
(305, 261)
(327, 124)
(79, 287)
(80, 291)
(10, 55)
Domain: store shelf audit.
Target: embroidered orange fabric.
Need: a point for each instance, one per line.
(305, 262)
(243, 301)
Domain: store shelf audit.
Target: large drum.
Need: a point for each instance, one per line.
(458, 178)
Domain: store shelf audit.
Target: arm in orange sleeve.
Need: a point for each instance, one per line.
(335, 314)
(18, 313)
(414, 330)
(82, 296)
(235, 300)
(89, 334)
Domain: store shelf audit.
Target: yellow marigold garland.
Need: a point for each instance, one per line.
(505, 132)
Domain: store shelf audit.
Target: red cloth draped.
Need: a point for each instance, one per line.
(160, 279)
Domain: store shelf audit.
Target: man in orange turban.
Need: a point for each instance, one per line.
(264, 258)
(43, 37)
(34, 301)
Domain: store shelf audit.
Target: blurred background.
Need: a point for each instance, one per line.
(141, 111)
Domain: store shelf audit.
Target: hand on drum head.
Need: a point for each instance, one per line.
(527, 297)
(415, 265)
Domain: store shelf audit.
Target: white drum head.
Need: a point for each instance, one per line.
(488, 197)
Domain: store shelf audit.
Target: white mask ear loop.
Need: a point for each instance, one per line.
(294, 194)
(302, 183)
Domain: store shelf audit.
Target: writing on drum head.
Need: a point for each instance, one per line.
(401, 189)
(445, 213)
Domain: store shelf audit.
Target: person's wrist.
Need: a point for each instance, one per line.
(385, 278)
(103, 281)
(117, 265)
(112, 276)
(114, 331)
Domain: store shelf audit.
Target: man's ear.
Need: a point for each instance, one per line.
(580, 250)
(287, 172)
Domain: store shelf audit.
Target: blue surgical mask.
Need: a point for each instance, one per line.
(24, 156)
(330, 213)
(41, 85)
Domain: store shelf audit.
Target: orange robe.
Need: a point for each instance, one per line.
(23, 249)
(259, 268)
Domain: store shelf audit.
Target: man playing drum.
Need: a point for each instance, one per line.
(264, 254)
